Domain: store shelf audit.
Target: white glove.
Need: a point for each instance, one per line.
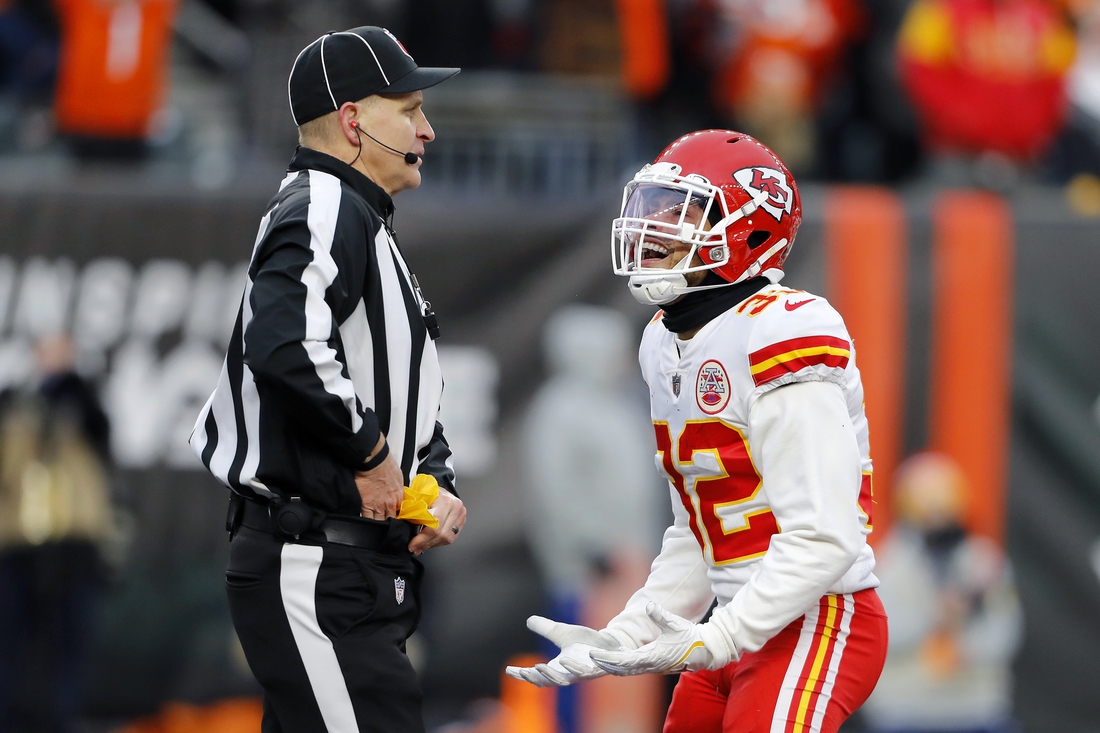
(573, 663)
(682, 646)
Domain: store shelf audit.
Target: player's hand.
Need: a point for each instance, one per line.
(573, 663)
(682, 646)
(451, 513)
(381, 489)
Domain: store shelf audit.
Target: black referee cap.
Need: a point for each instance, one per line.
(349, 65)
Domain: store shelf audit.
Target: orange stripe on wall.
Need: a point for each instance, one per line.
(972, 264)
(867, 280)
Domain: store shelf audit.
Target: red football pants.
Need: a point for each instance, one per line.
(807, 679)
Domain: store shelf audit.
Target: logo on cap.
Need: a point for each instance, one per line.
(399, 43)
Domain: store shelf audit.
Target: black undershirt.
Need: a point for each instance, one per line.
(695, 309)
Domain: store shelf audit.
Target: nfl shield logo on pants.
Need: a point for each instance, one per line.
(399, 590)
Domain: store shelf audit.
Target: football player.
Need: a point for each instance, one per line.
(758, 411)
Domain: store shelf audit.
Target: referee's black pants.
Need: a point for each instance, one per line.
(323, 627)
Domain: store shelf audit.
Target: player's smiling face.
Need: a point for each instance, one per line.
(665, 252)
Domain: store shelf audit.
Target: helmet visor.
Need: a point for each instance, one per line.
(668, 205)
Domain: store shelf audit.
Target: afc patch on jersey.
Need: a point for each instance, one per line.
(712, 389)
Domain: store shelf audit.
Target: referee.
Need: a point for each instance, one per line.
(327, 405)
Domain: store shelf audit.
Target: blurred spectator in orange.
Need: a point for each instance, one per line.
(112, 72)
(954, 617)
(779, 60)
(987, 75)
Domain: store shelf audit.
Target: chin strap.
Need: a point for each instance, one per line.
(658, 290)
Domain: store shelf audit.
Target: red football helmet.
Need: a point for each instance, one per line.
(723, 193)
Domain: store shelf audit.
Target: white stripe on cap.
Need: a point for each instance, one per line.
(324, 70)
(372, 53)
(291, 76)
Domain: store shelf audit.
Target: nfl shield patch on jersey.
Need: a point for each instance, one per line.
(399, 590)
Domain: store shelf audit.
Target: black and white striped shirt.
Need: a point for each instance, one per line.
(329, 350)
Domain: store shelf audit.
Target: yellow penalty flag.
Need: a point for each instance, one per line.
(418, 497)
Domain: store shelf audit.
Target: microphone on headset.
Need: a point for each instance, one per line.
(410, 158)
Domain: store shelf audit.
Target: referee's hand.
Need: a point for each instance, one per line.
(382, 488)
(451, 513)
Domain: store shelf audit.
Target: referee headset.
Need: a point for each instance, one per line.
(410, 158)
(430, 320)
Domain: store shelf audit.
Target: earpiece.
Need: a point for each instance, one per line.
(410, 158)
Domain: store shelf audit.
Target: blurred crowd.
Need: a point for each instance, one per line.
(986, 91)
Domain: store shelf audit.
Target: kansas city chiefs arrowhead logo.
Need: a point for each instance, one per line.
(758, 179)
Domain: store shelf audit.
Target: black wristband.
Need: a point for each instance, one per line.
(376, 460)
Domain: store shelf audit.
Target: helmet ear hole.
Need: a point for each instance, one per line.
(758, 238)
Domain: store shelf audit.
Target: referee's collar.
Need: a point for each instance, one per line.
(310, 159)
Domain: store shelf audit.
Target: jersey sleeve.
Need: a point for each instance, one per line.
(677, 581)
(436, 459)
(799, 338)
(804, 443)
(290, 342)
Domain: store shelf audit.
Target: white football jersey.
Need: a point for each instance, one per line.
(702, 391)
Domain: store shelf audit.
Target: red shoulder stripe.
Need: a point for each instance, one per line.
(806, 342)
(793, 355)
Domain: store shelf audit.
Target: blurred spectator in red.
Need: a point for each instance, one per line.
(112, 72)
(987, 75)
(778, 64)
